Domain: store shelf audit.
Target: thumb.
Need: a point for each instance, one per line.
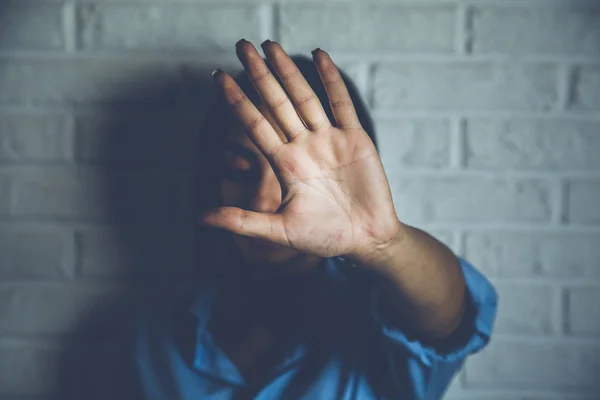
(247, 223)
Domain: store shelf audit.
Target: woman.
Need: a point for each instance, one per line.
(318, 291)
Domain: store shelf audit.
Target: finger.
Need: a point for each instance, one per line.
(258, 128)
(339, 98)
(303, 97)
(270, 91)
(247, 223)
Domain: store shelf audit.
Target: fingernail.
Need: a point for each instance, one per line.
(266, 42)
(315, 51)
(242, 40)
(215, 72)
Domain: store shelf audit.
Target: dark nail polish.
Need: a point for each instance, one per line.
(266, 42)
(315, 51)
(216, 71)
(242, 40)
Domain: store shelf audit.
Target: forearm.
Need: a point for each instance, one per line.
(422, 280)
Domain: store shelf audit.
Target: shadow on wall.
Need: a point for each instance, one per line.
(136, 156)
(139, 174)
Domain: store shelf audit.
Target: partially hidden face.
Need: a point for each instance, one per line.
(248, 182)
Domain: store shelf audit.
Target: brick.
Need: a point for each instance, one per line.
(28, 368)
(26, 137)
(136, 139)
(91, 194)
(351, 69)
(31, 27)
(585, 89)
(465, 85)
(167, 26)
(582, 311)
(157, 251)
(518, 254)
(527, 30)
(80, 310)
(29, 80)
(535, 365)
(367, 28)
(413, 143)
(353, 72)
(526, 309)
(583, 200)
(552, 144)
(25, 397)
(51, 309)
(51, 371)
(52, 258)
(458, 199)
(5, 192)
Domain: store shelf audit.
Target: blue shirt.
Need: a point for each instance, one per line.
(372, 357)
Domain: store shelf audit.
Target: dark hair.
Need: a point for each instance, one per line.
(211, 139)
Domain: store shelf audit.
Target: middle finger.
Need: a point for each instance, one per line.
(301, 93)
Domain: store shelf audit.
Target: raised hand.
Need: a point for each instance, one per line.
(336, 198)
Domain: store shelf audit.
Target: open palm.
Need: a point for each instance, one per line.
(336, 198)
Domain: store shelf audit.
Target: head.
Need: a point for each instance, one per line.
(233, 172)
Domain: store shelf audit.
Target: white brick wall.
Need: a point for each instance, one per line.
(487, 114)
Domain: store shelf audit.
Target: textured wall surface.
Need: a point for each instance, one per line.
(488, 118)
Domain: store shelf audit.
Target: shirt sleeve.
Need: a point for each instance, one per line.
(472, 336)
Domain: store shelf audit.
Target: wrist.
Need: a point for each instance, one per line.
(383, 254)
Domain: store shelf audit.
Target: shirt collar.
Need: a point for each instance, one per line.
(332, 283)
(332, 288)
